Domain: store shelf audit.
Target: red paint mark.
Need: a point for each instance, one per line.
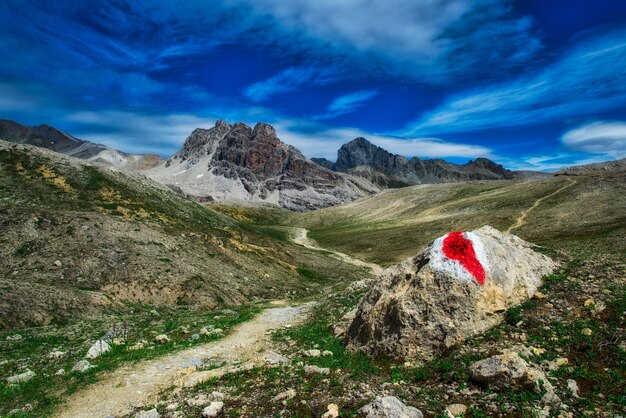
(457, 247)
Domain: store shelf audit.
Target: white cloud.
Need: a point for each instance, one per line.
(550, 162)
(421, 39)
(600, 137)
(288, 80)
(589, 80)
(135, 132)
(347, 103)
(325, 142)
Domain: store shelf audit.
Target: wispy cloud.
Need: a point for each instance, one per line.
(589, 80)
(600, 137)
(346, 104)
(316, 140)
(288, 80)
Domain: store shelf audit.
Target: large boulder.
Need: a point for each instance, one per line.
(457, 287)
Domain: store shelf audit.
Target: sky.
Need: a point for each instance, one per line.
(533, 85)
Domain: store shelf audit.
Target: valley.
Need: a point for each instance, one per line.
(187, 290)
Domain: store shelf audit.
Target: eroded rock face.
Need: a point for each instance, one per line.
(237, 163)
(457, 287)
(362, 158)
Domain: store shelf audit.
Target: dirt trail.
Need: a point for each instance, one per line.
(301, 237)
(521, 220)
(139, 384)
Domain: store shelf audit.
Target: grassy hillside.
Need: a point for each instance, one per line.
(80, 239)
(395, 224)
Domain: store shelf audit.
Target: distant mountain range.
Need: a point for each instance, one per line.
(237, 163)
(46, 136)
(362, 158)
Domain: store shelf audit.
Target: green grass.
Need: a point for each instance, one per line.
(47, 390)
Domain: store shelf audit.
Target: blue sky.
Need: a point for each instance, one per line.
(535, 84)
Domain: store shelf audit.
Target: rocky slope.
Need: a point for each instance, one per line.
(615, 166)
(46, 136)
(362, 158)
(84, 239)
(237, 163)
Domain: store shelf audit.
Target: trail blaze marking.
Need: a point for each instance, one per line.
(457, 247)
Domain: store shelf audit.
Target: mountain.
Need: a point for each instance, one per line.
(606, 166)
(79, 238)
(46, 136)
(237, 163)
(362, 158)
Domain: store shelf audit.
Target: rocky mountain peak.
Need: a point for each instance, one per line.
(236, 162)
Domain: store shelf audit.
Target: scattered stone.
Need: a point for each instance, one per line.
(508, 371)
(204, 331)
(537, 351)
(148, 414)
(118, 341)
(327, 353)
(332, 411)
(284, 396)
(276, 359)
(316, 370)
(217, 396)
(138, 345)
(172, 407)
(588, 303)
(229, 312)
(213, 410)
(55, 355)
(455, 410)
(586, 331)
(58, 263)
(161, 339)
(572, 386)
(457, 287)
(82, 366)
(97, 349)
(389, 406)
(16, 337)
(201, 400)
(154, 312)
(539, 296)
(60, 372)
(195, 336)
(21, 378)
(312, 353)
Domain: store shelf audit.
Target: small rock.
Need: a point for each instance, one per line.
(204, 331)
(195, 336)
(276, 359)
(316, 370)
(327, 353)
(154, 312)
(332, 411)
(172, 407)
(55, 355)
(389, 406)
(312, 353)
(229, 312)
(286, 395)
(586, 331)
(82, 366)
(213, 410)
(21, 378)
(60, 372)
(201, 400)
(98, 348)
(148, 414)
(538, 296)
(16, 337)
(217, 396)
(161, 339)
(572, 386)
(58, 263)
(588, 303)
(455, 410)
